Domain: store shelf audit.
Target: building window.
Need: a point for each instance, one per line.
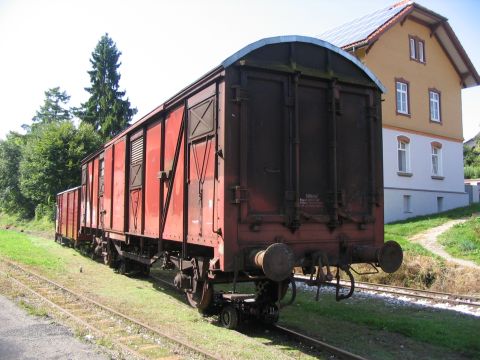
(437, 159)
(413, 49)
(402, 97)
(434, 96)
(403, 150)
(439, 203)
(421, 53)
(417, 49)
(407, 204)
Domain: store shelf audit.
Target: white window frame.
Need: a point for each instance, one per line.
(434, 98)
(413, 50)
(402, 97)
(403, 147)
(417, 48)
(421, 51)
(437, 156)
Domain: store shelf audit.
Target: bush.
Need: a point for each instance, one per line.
(45, 211)
(472, 172)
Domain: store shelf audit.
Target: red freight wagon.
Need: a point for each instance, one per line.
(271, 160)
(68, 215)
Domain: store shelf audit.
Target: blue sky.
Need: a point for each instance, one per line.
(166, 45)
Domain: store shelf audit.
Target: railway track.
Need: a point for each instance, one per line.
(320, 345)
(292, 334)
(138, 340)
(433, 296)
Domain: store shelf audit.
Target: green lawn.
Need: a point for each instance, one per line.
(400, 231)
(463, 240)
(30, 250)
(42, 225)
(447, 329)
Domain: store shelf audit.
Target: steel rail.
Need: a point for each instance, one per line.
(107, 309)
(435, 296)
(418, 294)
(320, 345)
(457, 296)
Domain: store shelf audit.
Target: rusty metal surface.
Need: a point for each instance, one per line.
(68, 213)
(118, 189)
(152, 181)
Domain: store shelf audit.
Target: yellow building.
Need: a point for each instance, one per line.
(418, 58)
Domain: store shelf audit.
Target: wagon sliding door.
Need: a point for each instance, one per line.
(201, 131)
(264, 147)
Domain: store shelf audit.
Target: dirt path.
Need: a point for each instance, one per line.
(428, 239)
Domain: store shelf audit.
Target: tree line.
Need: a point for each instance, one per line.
(35, 166)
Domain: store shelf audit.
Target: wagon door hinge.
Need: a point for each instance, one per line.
(240, 194)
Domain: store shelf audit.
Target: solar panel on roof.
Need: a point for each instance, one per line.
(359, 29)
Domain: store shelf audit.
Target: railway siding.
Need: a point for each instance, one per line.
(132, 337)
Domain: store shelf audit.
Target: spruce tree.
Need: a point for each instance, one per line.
(53, 108)
(106, 109)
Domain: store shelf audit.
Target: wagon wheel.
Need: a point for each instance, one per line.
(229, 317)
(202, 297)
(145, 270)
(124, 266)
(109, 255)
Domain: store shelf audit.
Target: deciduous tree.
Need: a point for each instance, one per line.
(12, 201)
(51, 160)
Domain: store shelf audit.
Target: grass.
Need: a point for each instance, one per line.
(400, 231)
(421, 268)
(33, 310)
(30, 250)
(43, 225)
(463, 240)
(440, 328)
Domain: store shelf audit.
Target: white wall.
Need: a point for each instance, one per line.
(422, 203)
(420, 186)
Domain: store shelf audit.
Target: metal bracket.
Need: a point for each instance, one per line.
(240, 194)
(239, 94)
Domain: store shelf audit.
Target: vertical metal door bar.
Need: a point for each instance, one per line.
(332, 144)
(144, 159)
(161, 182)
(126, 204)
(112, 168)
(186, 167)
(296, 215)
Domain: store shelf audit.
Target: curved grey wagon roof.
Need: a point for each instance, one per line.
(304, 39)
(239, 55)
